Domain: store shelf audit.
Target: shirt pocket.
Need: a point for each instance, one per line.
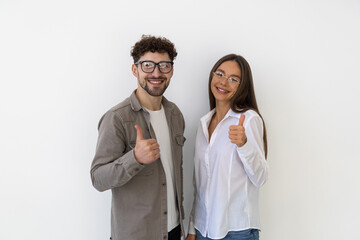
(180, 140)
(178, 149)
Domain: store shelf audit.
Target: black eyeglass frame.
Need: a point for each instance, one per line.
(155, 64)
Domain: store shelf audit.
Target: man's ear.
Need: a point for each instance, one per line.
(134, 70)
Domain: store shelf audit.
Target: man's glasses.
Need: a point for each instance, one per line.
(149, 66)
(221, 76)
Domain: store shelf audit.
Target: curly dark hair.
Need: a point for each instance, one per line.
(153, 44)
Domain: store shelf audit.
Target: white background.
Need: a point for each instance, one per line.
(64, 63)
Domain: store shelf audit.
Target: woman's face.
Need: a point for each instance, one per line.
(225, 81)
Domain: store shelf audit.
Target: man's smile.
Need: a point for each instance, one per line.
(155, 81)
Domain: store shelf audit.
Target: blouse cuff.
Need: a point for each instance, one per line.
(191, 229)
(246, 149)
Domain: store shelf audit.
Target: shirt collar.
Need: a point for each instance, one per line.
(231, 113)
(207, 118)
(134, 102)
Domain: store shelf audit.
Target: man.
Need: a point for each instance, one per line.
(139, 151)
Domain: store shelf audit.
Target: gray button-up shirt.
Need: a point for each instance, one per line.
(139, 198)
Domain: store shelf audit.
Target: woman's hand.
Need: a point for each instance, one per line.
(237, 133)
(191, 237)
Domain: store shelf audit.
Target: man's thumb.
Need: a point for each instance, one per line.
(139, 135)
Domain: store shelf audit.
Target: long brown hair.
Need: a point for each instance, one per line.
(244, 98)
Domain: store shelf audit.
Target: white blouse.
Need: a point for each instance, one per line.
(227, 178)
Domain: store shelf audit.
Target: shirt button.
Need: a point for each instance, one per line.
(165, 212)
(165, 237)
(164, 184)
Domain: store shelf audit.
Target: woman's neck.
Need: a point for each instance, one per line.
(220, 111)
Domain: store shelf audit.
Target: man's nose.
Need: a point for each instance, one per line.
(156, 71)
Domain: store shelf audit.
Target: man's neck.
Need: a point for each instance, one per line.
(150, 102)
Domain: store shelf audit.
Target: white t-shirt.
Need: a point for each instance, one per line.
(161, 129)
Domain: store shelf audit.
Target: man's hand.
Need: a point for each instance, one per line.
(146, 150)
(237, 133)
(191, 237)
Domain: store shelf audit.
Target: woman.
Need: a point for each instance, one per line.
(230, 157)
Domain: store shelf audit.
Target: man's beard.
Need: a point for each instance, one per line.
(155, 92)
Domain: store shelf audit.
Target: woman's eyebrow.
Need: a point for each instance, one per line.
(232, 75)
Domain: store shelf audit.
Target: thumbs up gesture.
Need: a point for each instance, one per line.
(237, 133)
(146, 150)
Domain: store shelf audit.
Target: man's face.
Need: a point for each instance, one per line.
(154, 83)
